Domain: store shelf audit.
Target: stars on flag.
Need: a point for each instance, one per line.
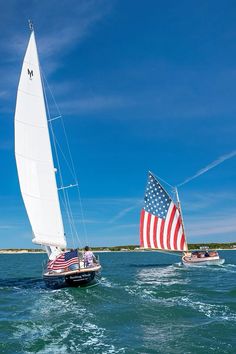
(156, 200)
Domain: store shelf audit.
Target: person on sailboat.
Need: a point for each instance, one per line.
(89, 258)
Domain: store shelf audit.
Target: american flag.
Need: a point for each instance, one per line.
(65, 260)
(160, 222)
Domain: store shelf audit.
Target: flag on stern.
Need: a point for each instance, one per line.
(65, 260)
(160, 221)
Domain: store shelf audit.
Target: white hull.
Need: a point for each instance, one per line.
(206, 261)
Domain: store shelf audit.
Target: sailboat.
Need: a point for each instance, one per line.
(162, 226)
(37, 179)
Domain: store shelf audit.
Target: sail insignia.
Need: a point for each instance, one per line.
(30, 73)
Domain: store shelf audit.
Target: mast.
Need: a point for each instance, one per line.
(33, 154)
(181, 215)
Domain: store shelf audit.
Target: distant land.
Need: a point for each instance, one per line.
(192, 246)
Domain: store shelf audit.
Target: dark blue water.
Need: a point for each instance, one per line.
(145, 303)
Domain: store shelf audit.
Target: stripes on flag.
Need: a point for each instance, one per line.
(153, 235)
(65, 260)
(160, 221)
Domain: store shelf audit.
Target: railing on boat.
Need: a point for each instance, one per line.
(76, 266)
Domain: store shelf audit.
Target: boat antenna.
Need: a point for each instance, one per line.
(31, 26)
(181, 214)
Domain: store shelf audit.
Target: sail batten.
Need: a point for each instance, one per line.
(161, 224)
(34, 156)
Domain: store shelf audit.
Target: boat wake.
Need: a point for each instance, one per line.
(151, 265)
(163, 276)
(62, 319)
(151, 284)
(104, 282)
(214, 311)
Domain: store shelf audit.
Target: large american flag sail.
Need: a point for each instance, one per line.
(160, 222)
(65, 260)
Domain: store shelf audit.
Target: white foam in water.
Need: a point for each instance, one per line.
(75, 326)
(161, 276)
(215, 311)
(105, 282)
(150, 280)
(231, 268)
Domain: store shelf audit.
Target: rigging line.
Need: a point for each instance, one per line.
(71, 159)
(54, 143)
(76, 180)
(55, 118)
(67, 203)
(82, 213)
(78, 190)
(73, 221)
(64, 129)
(68, 216)
(66, 187)
(161, 179)
(61, 180)
(172, 187)
(69, 167)
(73, 224)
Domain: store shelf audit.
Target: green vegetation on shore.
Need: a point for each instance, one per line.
(191, 246)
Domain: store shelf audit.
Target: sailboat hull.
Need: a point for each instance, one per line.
(72, 278)
(206, 261)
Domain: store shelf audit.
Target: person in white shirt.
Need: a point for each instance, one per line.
(89, 258)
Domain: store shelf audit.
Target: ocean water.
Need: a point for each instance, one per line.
(144, 303)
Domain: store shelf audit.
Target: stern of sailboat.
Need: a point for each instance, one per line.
(72, 278)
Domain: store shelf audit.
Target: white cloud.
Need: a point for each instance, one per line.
(7, 227)
(56, 35)
(125, 211)
(212, 225)
(93, 103)
(209, 167)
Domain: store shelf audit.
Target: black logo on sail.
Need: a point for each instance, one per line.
(30, 73)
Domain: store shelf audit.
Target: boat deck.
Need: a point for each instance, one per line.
(71, 272)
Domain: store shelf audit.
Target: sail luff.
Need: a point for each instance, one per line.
(34, 156)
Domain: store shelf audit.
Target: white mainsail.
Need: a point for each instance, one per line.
(34, 155)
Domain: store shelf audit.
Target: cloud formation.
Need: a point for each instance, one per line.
(209, 167)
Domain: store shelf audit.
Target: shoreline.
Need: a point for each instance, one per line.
(25, 251)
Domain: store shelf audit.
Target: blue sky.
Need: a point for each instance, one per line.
(142, 85)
